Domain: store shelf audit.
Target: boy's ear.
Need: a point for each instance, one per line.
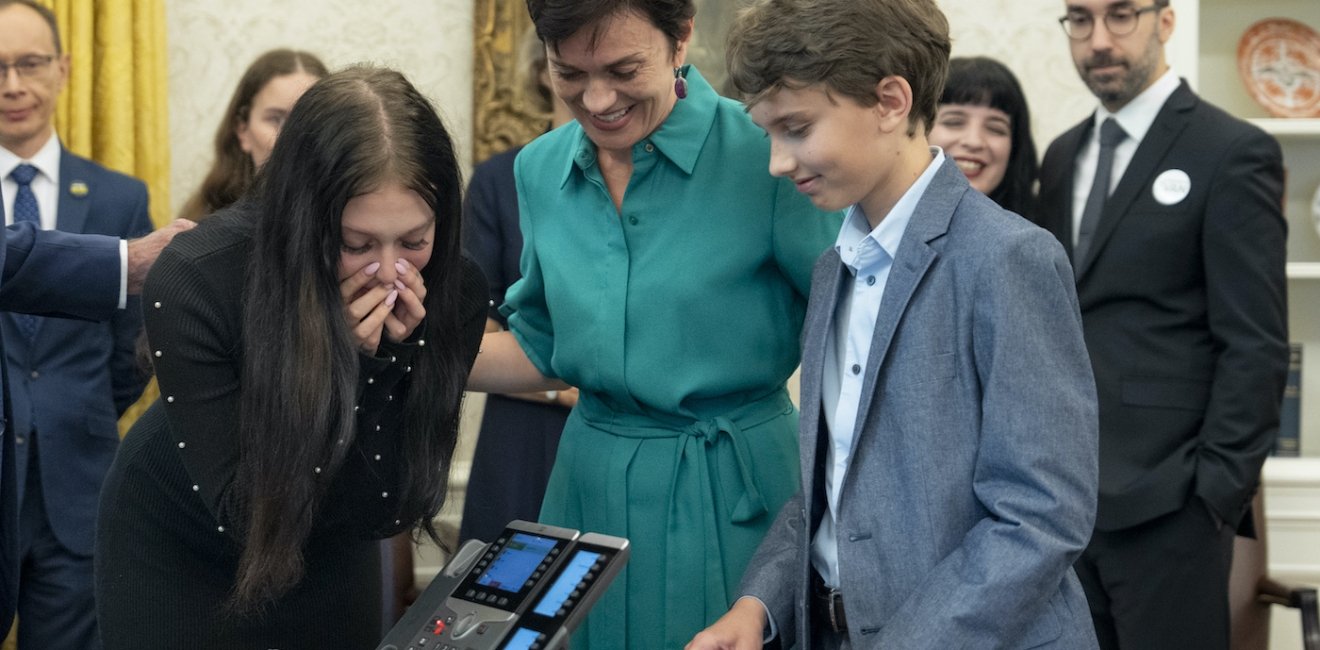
(895, 103)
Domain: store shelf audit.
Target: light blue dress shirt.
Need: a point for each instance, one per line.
(868, 255)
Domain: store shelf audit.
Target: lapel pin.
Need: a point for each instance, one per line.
(78, 189)
(1171, 187)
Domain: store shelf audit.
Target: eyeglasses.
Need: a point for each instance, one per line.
(28, 66)
(1120, 21)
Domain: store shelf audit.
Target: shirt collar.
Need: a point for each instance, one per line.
(46, 160)
(1137, 116)
(680, 136)
(856, 237)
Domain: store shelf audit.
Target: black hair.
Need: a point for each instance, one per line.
(558, 20)
(982, 81)
(348, 135)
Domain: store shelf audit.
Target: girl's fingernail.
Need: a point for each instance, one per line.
(401, 266)
(400, 284)
(389, 300)
(372, 268)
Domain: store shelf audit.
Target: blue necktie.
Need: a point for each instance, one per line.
(25, 209)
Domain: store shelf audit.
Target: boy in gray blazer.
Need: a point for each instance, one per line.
(949, 427)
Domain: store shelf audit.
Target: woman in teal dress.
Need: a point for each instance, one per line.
(665, 275)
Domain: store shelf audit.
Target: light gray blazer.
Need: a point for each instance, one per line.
(972, 486)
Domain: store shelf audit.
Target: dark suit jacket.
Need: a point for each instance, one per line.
(1185, 312)
(972, 485)
(492, 235)
(74, 378)
(48, 273)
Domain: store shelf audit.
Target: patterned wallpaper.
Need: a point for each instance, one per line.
(431, 41)
(1026, 36)
(211, 43)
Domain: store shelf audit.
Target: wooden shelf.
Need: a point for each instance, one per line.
(1309, 127)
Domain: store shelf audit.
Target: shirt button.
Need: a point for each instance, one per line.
(35, 375)
(650, 147)
(870, 280)
(856, 369)
(632, 220)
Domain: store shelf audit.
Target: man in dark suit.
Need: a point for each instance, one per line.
(50, 273)
(69, 380)
(1171, 211)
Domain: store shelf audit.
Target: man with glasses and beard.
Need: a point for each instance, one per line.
(1171, 211)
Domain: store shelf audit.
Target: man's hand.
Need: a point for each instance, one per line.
(142, 252)
(742, 628)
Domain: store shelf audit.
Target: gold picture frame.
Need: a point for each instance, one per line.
(501, 118)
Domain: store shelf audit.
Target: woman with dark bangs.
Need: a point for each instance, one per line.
(985, 126)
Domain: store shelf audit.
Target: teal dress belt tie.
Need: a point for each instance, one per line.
(692, 507)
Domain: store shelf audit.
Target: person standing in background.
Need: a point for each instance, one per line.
(1171, 211)
(52, 273)
(519, 431)
(261, 103)
(69, 380)
(984, 124)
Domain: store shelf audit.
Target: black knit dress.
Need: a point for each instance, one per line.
(168, 543)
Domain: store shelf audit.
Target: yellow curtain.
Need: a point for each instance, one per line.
(115, 109)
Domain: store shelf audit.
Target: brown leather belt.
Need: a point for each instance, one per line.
(827, 606)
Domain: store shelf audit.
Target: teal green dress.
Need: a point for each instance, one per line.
(678, 317)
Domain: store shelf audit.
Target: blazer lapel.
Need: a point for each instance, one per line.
(815, 334)
(1168, 124)
(74, 194)
(1059, 206)
(929, 221)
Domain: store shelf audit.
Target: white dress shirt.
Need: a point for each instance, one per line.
(45, 186)
(1136, 118)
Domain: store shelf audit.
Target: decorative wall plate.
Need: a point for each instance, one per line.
(1279, 61)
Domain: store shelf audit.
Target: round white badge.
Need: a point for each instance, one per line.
(1171, 187)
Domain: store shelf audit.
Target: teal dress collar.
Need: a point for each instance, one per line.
(679, 138)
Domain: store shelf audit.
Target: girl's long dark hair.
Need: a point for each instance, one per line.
(349, 134)
(232, 171)
(982, 81)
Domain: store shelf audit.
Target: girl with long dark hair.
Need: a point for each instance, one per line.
(311, 344)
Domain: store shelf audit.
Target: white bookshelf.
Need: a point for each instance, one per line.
(1205, 51)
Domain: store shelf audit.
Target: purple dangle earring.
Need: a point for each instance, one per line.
(680, 83)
